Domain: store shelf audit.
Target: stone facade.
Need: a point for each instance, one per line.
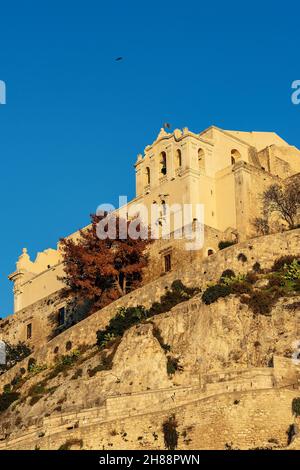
(225, 171)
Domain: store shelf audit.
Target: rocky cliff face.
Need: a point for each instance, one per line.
(225, 372)
(185, 346)
(227, 334)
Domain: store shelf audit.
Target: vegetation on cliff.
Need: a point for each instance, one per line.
(259, 291)
(14, 354)
(7, 398)
(127, 317)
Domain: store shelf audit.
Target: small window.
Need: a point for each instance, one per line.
(168, 263)
(235, 156)
(178, 159)
(210, 252)
(147, 176)
(61, 316)
(163, 163)
(29, 331)
(201, 159)
(163, 208)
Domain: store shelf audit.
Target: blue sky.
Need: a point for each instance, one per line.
(75, 118)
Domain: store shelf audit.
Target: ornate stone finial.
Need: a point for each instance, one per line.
(24, 255)
(23, 260)
(185, 130)
(139, 157)
(162, 133)
(177, 133)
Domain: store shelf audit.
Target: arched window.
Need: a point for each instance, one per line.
(147, 176)
(210, 252)
(163, 208)
(178, 158)
(201, 159)
(163, 163)
(235, 156)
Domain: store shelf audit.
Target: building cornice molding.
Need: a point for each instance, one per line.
(183, 135)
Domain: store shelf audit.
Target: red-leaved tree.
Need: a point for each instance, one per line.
(101, 271)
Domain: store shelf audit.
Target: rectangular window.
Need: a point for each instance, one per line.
(195, 225)
(29, 330)
(168, 263)
(61, 316)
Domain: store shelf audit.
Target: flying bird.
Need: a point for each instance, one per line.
(118, 59)
(167, 125)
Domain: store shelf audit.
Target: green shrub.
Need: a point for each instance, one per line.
(177, 294)
(170, 432)
(6, 399)
(296, 406)
(178, 286)
(275, 279)
(69, 359)
(37, 389)
(297, 285)
(251, 277)
(36, 368)
(292, 271)
(228, 281)
(213, 293)
(256, 267)
(280, 263)
(63, 363)
(241, 287)
(127, 317)
(31, 363)
(14, 354)
(225, 244)
(17, 381)
(228, 273)
(7, 388)
(173, 365)
(291, 433)
(261, 302)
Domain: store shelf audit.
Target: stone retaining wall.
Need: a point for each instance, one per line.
(141, 403)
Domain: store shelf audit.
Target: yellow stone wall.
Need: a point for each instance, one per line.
(226, 171)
